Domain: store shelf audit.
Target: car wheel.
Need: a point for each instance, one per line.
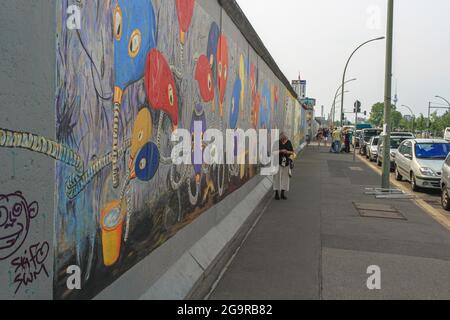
(445, 199)
(398, 176)
(379, 163)
(414, 186)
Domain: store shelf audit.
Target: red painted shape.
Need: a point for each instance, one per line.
(185, 11)
(160, 85)
(255, 111)
(253, 78)
(204, 77)
(222, 67)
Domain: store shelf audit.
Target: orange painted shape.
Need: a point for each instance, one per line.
(111, 220)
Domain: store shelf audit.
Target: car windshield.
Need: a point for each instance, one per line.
(396, 142)
(370, 133)
(432, 150)
(402, 134)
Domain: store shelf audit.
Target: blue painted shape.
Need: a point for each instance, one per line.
(147, 162)
(136, 15)
(213, 43)
(265, 107)
(236, 100)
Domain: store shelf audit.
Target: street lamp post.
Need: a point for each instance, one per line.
(442, 98)
(337, 95)
(434, 107)
(337, 101)
(385, 181)
(345, 71)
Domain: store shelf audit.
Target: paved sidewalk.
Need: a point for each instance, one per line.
(316, 245)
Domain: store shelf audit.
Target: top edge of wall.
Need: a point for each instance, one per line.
(236, 14)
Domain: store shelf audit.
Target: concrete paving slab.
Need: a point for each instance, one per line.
(402, 277)
(316, 246)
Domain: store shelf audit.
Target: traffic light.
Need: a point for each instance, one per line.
(357, 108)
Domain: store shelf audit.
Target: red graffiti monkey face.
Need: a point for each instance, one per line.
(222, 67)
(160, 85)
(204, 77)
(15, 218)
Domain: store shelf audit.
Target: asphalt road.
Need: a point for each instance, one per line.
(317, 245)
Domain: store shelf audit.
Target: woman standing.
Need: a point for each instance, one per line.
(281, 180)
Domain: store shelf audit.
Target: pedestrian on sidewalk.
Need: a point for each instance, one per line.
(281, 180)
(347, 141)
(326, 135)
(337, 141)
(319, 136)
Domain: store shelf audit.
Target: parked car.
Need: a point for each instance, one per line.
(445, 184)
(372, 149)
(366, 135)
(395, 144)
(420, 162)
(356, 138)
(409, 135)
(447, 134)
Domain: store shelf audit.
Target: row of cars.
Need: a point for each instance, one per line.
(425, 163)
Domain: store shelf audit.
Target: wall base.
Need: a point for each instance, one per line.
(194, 273)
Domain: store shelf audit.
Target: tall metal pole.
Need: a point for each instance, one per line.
(345, 71)
(385, 183)
(337, 101)
(356, 126)
(337, 95)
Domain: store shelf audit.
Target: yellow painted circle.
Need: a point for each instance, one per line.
(134, 44)
(118, 23)
(142, 131)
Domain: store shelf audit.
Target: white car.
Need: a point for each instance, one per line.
(372, 149)
(420, 162)
(447, 134)
(408, 135)
(395, 144)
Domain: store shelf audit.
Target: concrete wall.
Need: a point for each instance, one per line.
(110, 202)
(27, 179)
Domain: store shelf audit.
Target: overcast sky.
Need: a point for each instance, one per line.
(315, 38)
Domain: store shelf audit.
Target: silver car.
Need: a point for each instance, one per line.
(395, 144)
(372, 149)
(445, 184)
(420, 162)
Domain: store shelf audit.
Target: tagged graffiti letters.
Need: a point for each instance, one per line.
(31, 265)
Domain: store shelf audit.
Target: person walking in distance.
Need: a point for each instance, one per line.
(281, 180)
(347, 141)
(319, 136)
(326, 134)
(337, 140)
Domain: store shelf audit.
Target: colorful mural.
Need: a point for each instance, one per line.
(135, 72)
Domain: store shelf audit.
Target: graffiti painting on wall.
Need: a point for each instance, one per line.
(136, 71)
(16, 217)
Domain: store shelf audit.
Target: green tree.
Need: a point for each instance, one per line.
(377, 115)
(396, 118)
(421, 123)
